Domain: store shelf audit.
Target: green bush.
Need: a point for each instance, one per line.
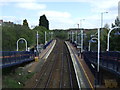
(10, 35)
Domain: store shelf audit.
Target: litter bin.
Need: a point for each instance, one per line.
(36, 59)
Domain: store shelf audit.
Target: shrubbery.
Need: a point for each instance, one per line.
(11, 33)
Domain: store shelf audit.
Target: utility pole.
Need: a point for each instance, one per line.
(72, 37)
(45, 37)
(37, 40)
(81, 35)
(81, 40)
(76, 37)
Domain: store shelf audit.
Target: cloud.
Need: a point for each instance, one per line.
(45, 0)
(104, 5)
(58, 19)
(94, 21)
(17, 1)
(65, 19)
(55, 14)
(3, 3)
(12, 19)
(31, 6)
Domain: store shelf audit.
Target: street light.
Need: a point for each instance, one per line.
(72, 37)
(45, 38)
(81, 22)
(91, 41)
(108, 38)
(102, 18)
(81, 35)
(37, 39)
(98, 52)
(18, 42)
(76, 38)
(78, 26)
(51, 33)
(117, 33)
(77, 35)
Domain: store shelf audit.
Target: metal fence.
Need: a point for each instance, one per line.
(47, 44)
(10, 58)
(108, 60)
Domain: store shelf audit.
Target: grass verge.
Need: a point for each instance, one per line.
(16, 79)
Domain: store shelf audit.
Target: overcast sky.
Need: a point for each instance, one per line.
(62, 14)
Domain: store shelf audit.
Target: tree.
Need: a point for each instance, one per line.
(117, 23)
(25, 23)
(10, 35)
(114, 39)
(60, 34)
(44, 22)
(113, 25)
(104, 37)
(106, 26)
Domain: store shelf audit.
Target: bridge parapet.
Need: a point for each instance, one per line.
(11, 58)
(108, 60)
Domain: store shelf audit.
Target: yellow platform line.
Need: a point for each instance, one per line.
(85, 72)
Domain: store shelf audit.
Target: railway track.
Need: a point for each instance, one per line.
(57, 71)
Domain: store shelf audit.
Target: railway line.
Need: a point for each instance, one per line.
(57, 71)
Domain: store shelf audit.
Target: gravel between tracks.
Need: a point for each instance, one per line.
(57, 71)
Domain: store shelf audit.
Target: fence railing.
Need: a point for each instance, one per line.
(10, 58)
(108, 60)
(47, 44)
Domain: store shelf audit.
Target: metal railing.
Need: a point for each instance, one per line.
(108, 60)
(47, 44)
(11, 58)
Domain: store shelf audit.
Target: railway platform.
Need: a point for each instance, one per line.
(56, 71)
(85, 78)
(34, 67)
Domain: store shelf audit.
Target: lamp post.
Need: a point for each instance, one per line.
(68, 35)
(81, 22)
(98, 59)
(81, 35)
(37, 40)
(45, 37)
(18, 42)
(108, 38)
(77, 35)
(77, 38)
(72, 37)
(51, 35)
(78, 26)
(90, 42)
(98, 55)
(102, 18)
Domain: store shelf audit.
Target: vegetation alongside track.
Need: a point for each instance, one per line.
(15, 78)
(11, 33)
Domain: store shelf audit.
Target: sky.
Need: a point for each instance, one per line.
(62, 14)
